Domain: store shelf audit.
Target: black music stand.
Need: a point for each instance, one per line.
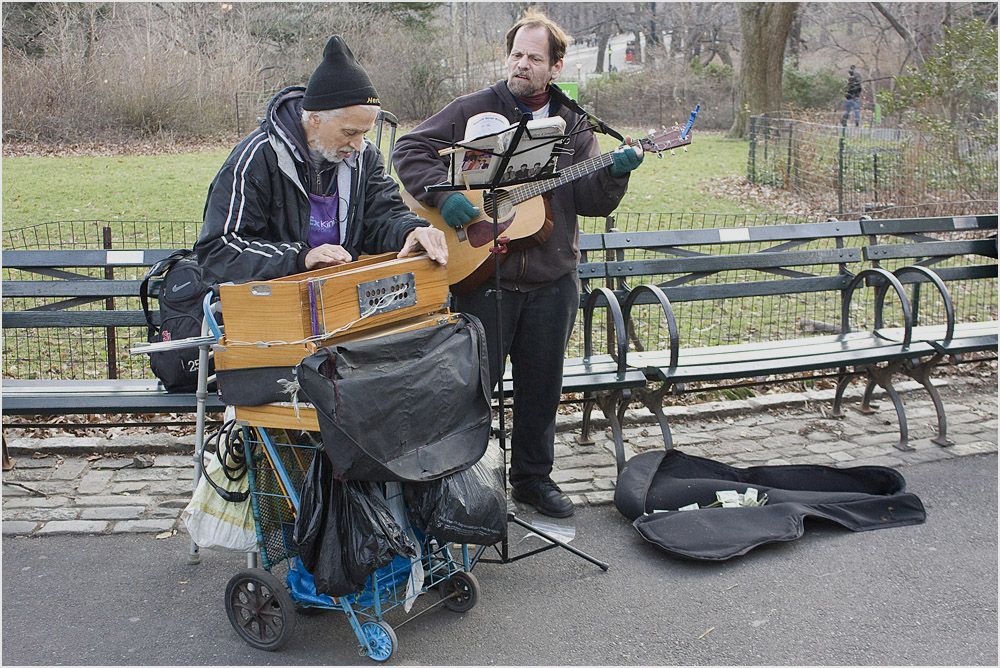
(491, 196)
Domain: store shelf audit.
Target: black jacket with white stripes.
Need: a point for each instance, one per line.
(256, 219)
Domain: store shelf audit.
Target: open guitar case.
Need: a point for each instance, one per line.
(652, 486)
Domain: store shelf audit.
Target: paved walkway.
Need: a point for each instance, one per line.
(139, 484)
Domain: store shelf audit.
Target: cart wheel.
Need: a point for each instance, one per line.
(380, 641)
(260, 609)
(461, 591)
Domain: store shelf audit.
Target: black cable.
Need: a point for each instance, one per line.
(232, 458)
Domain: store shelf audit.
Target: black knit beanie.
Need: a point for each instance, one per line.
(339, 81)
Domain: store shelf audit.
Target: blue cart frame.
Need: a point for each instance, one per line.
(262, 609)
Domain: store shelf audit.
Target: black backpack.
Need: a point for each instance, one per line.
(181, 294)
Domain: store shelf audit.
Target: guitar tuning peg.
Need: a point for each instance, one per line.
(659, 155)
(673, 152)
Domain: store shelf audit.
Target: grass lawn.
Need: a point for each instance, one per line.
(682, 181)
(173, 186)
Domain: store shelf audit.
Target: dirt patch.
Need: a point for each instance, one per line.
(152, 146)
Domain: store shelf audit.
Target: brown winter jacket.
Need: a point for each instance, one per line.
(597, 194)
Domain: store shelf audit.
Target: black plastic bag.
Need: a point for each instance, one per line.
(319, 530)
(406, 407)
(372, 537)
(465, 507)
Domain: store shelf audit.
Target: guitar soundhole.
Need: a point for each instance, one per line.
(498, 202)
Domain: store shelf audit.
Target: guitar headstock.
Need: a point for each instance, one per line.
(665, 140)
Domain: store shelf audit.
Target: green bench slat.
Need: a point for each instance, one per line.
(923, 225)
(787, 286)
(98, 288)
(716, 263)
(876, 350)
(24, 397)
(713, 236)
(984, 247)
(26, 319)
(967, 337)
(46, 259)
(580, 374)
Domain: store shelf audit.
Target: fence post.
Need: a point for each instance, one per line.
(788, 177)
(840, 171)
(236, 101)
(875, 177)
(110, 338)
(752, 162)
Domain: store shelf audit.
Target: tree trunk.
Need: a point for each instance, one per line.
(795, 40)
(764, 28)
(603, 37)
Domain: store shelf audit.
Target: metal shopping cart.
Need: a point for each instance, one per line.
(262, 608)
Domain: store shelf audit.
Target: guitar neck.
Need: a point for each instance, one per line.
(525, 192)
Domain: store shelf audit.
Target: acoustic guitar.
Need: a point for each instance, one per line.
(522, 213)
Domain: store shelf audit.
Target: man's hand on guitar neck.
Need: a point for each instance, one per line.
(626, 157)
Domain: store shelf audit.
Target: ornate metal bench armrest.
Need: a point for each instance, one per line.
(668, 311)
(949, 305)
(614, 308)
(882, 280)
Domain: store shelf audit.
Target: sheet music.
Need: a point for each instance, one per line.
(492, 133)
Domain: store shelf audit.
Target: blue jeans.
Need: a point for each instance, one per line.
(855, 104)
(536, 327)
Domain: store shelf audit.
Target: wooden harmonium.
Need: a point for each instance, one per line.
(270, 326)
(321, 304)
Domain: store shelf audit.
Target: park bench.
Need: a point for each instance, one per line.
(660, 277)
(817, 267)
(59, 289)
(77, 292)
(921, 257)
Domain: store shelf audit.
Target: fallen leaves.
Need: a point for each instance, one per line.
(752, 194)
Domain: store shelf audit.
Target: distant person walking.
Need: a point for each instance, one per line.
(852, 97)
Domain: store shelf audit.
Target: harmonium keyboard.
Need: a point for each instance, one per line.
(270, 326)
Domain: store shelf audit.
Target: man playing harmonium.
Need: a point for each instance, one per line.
(306, 189)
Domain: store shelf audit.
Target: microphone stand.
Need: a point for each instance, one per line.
(491, 195)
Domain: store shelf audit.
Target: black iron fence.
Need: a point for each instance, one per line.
(84, 352)
(847, 170)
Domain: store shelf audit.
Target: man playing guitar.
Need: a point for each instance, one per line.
(541, 288)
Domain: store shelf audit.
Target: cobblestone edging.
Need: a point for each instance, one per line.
(140, 484)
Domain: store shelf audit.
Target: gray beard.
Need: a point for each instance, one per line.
(335, 157)
(519, 87)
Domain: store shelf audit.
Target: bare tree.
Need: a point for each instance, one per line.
(764, 28)
(901, 29)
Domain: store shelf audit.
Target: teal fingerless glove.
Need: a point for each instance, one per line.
(624, 162)
(457, 210)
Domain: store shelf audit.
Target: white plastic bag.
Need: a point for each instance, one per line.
(218, 524)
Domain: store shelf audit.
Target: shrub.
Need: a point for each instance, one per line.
(662, 95)
(822, 89)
